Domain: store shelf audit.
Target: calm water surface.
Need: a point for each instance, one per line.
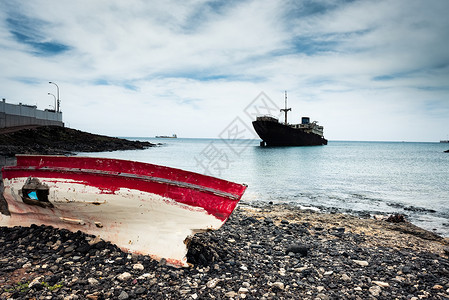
(353, 177)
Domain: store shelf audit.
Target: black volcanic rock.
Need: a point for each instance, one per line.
(55, 140)
(244, 259)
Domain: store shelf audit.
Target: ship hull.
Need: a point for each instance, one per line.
(277, 134)
(142, 208)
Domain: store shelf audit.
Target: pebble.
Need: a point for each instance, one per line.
(139, 267)
(345, 277)
(26, 266)
(124, 276)
(146, 276)
(212, 283)
(34, 281)
(375, 290)
(362, 263)
(123, 296)
(381, 284)
(322, 297)
(230, 294)
(248, 258)
(92, 281)
(278, 285)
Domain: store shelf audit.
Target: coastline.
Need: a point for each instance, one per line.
(56, 140)
(380, 231)
(262, 252)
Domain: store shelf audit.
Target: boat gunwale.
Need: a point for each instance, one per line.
(128, 175)
(134, 167)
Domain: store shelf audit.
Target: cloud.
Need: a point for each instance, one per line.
(24, 31)
(139, 68)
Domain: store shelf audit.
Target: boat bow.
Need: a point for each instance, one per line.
(142, 208)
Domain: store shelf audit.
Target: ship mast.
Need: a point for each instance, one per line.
(285, 110)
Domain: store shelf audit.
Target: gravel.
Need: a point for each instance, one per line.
(273, 252)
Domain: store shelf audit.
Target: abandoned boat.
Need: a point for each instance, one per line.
(140, 207)
(274, 133)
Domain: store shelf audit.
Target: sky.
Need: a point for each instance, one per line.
(366, 70)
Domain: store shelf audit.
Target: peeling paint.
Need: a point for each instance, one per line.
(73, 221)
(151, 212)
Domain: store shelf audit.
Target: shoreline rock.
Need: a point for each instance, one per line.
(346, 258)
(55, 140)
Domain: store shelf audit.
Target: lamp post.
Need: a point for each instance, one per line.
(57, 90)
(55, 100)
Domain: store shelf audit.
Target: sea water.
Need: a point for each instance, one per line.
(359, 178)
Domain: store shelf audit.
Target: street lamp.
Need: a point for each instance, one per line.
(57, 90)
(55, 100)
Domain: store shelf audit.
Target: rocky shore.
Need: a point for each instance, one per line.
(55, 140)
(264, 252)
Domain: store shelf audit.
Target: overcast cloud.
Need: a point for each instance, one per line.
(367, 70)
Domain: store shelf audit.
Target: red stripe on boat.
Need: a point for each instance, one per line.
(218, 197)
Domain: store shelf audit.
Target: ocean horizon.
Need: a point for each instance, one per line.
(161, 139)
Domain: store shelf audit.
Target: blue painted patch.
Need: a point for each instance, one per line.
(33, 196)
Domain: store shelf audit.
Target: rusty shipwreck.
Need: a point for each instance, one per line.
(142, 208)
(274, 133)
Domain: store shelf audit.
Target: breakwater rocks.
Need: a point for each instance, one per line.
(276, 252)
(60, 140)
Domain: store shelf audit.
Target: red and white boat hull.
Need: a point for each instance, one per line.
(142, 208)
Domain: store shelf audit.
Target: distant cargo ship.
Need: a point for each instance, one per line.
(274, 133)
(444, 141)
(174, 136)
